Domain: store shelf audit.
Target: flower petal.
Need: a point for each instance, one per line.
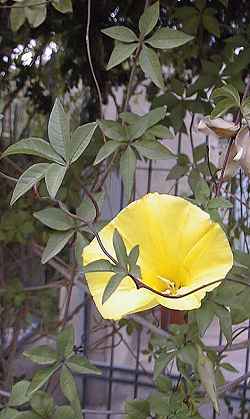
(178, 242)
(125, 300)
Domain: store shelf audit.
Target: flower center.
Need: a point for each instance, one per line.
(171, 288)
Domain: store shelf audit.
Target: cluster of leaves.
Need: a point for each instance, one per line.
(35, 11)
(127, 43)
(134, 136)
(61, 361)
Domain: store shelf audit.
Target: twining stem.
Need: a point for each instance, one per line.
(91, 64)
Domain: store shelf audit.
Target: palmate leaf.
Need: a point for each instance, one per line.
(68, 387)
(81, 138)
(120, 53)
(28, 179)
(40, 378)
(120, 33)
(65, 342)
(227, 91)
(113, 130)
(127, 172)
(36, 14)
(153, 150)
(81, 365)
(54, 218)
(106, 150)
(63, 6)
(17, 18)
(19, 393)
(112, 285)
(54, 177)
(42, 404)
(64, 412)
(150, 65)
(207, 377)
(58, 130)
(42, 355)
(149, 18)
(139, 125)
(167, 38)
(120, 249)
(34, 147)
(57, 241)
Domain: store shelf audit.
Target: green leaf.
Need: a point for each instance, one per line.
(127, 172)
(153, 150)
(120, 33)
(129, 117)
(227, 91)
(162, 362)
(207, 377)
(225, 320)
(57, 241)
(211, 23)
(80, 243)
(113, 130)
(133, 256)
(160, 131)
(149, 18)
(112, 285)
(58, 130)
(101, 265)
(54, 177)
(120, 53)
(222, 107)
(63, 6)
(42, 355)
(202, 192)
(204, 317)
(120, 249)
(17, 18)
(106, 150)
(19, 393)
(199, 152)
(36, 14)
(141, 124)
(64, 412)
(68, 387)
(11, 413)
(177, 172)
(80, 140)
(40, 378)
(54, 218)
(219, 203)
(188, 354)
(137, 409)
(87, 209)
(34, 147)
(28, 179)
(166, 38)
(25, 415)
(42, 404)
(65, 342)
(81, 365)
(151, 66)
(228, 367)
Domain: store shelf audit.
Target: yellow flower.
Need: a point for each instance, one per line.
(180, 250)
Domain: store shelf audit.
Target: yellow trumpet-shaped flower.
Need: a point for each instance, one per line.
(180, 250)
